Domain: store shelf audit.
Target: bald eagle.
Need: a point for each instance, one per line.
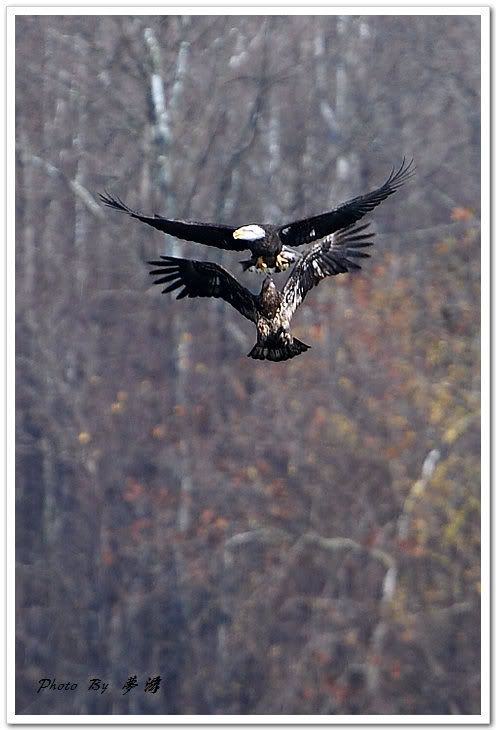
(271, 245)
(271, 310)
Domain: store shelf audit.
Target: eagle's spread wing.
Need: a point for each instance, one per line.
(203, 279)
(209, 234)
(311, 229)
(331, 256)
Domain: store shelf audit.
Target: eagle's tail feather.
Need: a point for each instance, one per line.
(278, 351)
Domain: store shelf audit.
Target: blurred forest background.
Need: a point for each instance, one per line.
(299, 537)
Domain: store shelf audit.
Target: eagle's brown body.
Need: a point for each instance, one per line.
(271, 310)
(274, 340)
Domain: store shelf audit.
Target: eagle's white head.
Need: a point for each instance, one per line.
(249, 233)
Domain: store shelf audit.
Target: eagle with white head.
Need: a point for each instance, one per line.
(272, 246)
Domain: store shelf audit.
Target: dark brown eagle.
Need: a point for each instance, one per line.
(271, 310)
(270, 245)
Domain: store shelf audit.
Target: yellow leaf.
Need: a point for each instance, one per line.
(158, 432)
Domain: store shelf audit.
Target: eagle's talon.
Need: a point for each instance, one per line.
(261, 263)
(281, 262)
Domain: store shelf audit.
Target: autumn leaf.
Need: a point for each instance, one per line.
(107, 556)
(220, 523)
(319, 416)
(134, 490)
(207, 516)
(395, 670)
(309, 693)
(84, 437)
(461, 214)
(137, 527)
(158, 431)
(338, 691)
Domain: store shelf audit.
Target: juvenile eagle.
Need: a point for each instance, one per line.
(271, 310)
(270, 245)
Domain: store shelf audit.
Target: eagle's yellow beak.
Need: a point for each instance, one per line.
(238, 233)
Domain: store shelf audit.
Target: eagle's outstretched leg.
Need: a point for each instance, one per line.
(261, 263)
(282, 262)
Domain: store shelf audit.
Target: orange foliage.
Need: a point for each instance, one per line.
(319, 416)
(137, 528)
(107, 556)
(221, 523)
(158, 431)
(133, 491)
(339, 691)
(395, 670)
(461, 214)
(207, 516)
